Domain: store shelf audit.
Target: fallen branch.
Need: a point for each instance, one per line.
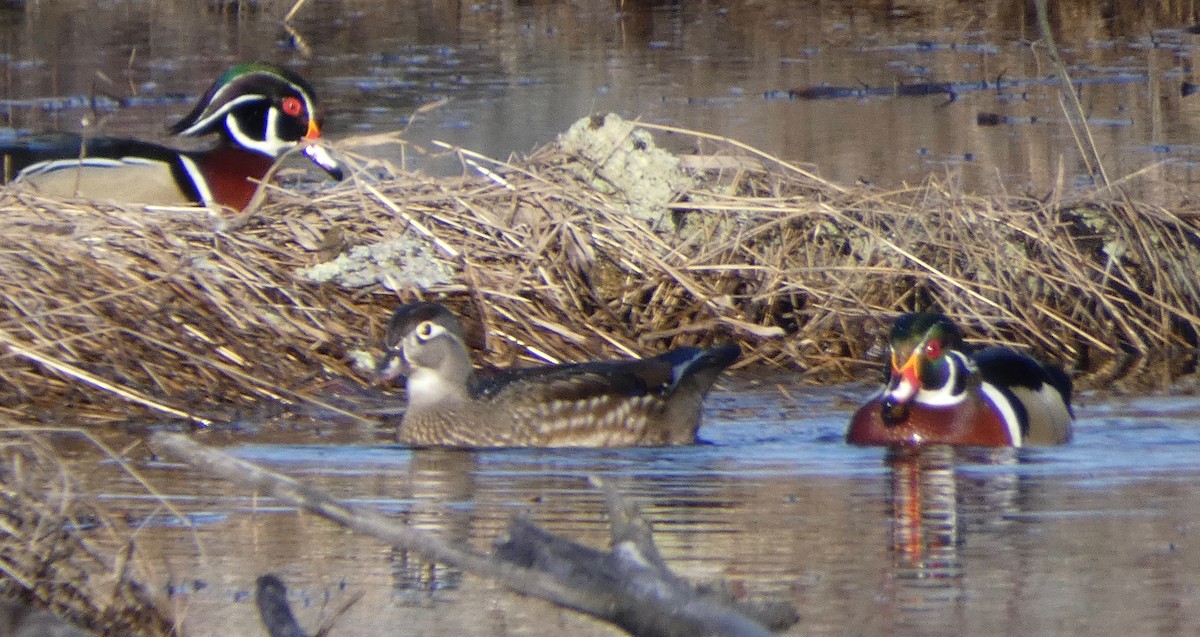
(645, 600)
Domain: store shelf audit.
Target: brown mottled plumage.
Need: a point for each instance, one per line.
(650, 401)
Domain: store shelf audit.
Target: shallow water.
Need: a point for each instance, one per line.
(1095, 537)
(1090, 538)
(514, 74)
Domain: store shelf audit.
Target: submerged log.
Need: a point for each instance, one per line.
(630, 587)
(270, 594)
(648, 599)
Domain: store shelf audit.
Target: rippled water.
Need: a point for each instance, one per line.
(1090, 538)
(514, 74)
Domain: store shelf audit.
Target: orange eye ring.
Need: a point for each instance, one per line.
(292, 107)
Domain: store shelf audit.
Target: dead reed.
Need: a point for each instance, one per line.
(109, 312)
(62, 551)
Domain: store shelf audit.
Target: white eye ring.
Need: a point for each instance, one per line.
(426, 330)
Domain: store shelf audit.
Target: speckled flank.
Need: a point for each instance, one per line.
(1048, 419)
(518, 418)
(650, 401)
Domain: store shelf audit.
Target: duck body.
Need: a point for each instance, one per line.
(258, 112)
(141, 172)
(940, 392)
(640, 402)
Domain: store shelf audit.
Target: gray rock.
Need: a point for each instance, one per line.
(401, 263)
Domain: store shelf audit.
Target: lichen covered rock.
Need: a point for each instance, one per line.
(397, 264)
(619, 158)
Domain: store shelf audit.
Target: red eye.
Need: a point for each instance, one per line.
(292, 106)
(933, 350)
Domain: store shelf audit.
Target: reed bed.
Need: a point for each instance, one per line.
(110, 313)
(604, 248)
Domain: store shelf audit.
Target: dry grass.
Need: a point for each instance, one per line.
(106, 311)
(64, 552)
(111, 314)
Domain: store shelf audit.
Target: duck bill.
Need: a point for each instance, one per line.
(389, 369)
(900, 391)
(321, 157)
(319, 154)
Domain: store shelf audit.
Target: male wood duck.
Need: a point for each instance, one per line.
(650, 401)
(258, 112)
(941, 393)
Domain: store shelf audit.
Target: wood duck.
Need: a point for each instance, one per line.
(941, 393)
(650, 401)
(258, 112)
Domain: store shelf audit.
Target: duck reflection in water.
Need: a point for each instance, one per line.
(441, 492)
(935, 508)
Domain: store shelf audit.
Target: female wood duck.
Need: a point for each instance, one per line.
(258, 111)
(939, 393)
(651, 401)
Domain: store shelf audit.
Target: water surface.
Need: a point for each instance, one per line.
(514, 74)
(1091, 538)
(1094, 538)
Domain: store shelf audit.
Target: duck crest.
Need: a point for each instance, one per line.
(252, 83)
(650, 401)
(941, 391)
(258, 111)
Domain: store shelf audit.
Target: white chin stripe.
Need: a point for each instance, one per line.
(903, 392)
(270, 145)
(1002, 405)
(946, 395)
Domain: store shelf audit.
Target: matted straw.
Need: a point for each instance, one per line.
(110, 314)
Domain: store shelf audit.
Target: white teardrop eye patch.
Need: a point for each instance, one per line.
(426, 330)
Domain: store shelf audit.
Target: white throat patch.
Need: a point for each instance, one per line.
(427, 388)
(944, 396)
(270, 145)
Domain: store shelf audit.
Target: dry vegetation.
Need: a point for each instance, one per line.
(107, 310)
(112, 314)
(66, 553)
